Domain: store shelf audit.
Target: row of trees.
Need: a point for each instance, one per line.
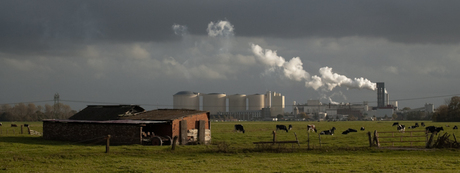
(448, 112)
(31, 112)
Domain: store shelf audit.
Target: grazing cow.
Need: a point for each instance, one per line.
(311, 127)
(432, 129)
(362, 128)
(412, 127)
(239, 127)
(349, 130)
(26, 125)
(416, 124)
(14, 125)
(455, 127)
(328, 132)
(290, 127)
(422, 124)
(0, 124)
(401, 128)
(395, 124)
(281, 127)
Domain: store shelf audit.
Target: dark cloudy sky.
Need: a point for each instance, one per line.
(129, 52)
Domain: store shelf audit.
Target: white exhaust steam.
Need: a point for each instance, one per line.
(293, 69)
(180, 30)
(221, 28)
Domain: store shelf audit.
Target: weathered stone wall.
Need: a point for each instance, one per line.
(76, 132)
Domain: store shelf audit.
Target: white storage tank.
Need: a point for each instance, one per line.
(236, 102)
(256, 102)
(186, 100)
(214, 102)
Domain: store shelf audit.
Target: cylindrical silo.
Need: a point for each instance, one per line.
(214, 102)
(256, 102)
(236, 102)
(186, 100)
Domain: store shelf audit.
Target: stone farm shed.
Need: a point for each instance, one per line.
(131, 124)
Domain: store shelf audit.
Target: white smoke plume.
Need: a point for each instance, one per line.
(180, 30)
(293, 69)
(221, 28)
(332, 80)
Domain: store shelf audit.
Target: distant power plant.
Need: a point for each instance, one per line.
(255, 106)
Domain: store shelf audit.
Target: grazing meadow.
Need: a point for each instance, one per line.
(232, 151)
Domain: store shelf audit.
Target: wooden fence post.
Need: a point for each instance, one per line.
(370, 138)
(296, 139)
(274, 137)
(319, 136)
(455, 138)
(174, 143)
(376, 138)
(429, 141)
(308, 140)
(107, 146)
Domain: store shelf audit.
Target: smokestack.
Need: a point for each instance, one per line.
(387, 99)
(380, 94)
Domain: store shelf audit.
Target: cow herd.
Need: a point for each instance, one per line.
(428, 129)
(312, 128)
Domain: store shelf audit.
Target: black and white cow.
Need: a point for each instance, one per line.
(422, 124)
(432, 129)
(290, 127)
(14, 125)
(362, 129)
(311, 127)
(328, 132)
(455, 127)
(349, 130)
(401, 128)
(0, 124)
(395, 124)
(281, 127)
(412, 127)
(239, 127)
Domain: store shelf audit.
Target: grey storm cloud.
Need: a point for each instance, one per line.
(40, 22)
(139, 51)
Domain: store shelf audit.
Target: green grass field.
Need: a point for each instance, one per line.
(234, 152)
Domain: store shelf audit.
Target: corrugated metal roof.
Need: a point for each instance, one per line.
(164, 114)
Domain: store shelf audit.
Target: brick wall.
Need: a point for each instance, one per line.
(75, 132)
(192, 123)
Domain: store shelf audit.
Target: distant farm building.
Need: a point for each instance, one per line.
(131, 124)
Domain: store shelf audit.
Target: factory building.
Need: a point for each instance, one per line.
(238, 106)
(314, 108)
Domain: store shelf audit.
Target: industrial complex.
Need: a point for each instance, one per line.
(271, 104)
(239, 106)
